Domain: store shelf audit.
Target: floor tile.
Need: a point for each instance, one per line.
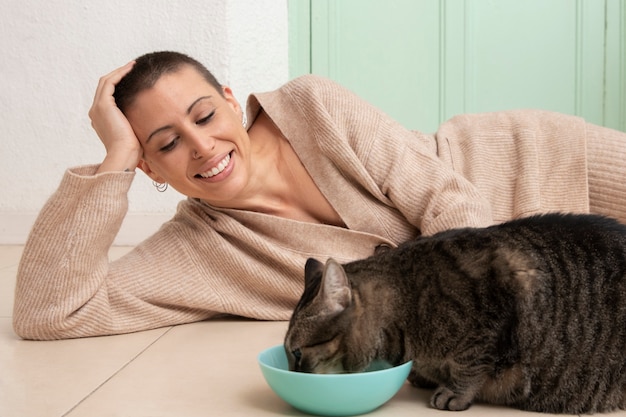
(50, 378)
(200, 369)
(118, 251)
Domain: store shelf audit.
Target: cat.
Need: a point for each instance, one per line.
(530, 314)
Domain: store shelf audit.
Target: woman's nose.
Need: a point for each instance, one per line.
(201, 145)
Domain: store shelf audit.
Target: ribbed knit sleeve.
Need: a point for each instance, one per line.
(65, 257)
(66, 287)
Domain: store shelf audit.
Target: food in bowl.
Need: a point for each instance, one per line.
(331, 394)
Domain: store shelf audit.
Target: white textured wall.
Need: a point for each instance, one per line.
(52, 54)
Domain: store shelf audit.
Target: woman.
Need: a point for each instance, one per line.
(317, 173)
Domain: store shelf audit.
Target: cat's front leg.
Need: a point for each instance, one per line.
(446, 399)
(456, 386)
(420, 381)
(458, 391)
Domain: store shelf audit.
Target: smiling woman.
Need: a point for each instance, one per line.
(318, 172)
(186, 129)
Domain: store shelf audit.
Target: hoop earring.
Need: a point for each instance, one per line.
(160, 187)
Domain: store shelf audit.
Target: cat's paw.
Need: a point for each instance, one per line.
(445, 399)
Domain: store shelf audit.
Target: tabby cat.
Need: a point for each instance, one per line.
(530, 314)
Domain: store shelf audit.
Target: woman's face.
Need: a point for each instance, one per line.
(192, 136)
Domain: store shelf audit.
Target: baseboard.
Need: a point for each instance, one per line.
(15, 227)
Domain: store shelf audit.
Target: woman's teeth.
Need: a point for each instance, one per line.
(216, 170)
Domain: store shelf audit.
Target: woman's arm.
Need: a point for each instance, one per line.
(398, 167)
(429, 193)
(66, 286)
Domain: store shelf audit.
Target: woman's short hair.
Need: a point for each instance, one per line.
(149, 68)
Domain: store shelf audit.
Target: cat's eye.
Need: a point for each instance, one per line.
(297, 354)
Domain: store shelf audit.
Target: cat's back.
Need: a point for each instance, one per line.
(564, 244)
(541, 231)
(569, 254)
(567, 245)
(574, 229)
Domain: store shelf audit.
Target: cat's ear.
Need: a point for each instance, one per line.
(313, 270)
(335, 289)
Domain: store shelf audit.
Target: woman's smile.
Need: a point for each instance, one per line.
(219, 171)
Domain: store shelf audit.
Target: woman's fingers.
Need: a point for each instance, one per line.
(107, 83)
(111, 125)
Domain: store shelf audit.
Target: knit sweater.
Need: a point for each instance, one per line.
(387, 184)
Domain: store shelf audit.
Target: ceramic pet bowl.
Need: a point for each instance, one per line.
(331, 394)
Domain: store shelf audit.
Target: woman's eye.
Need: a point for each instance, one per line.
(171, 145)
(205, 119)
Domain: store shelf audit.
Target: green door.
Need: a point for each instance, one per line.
(423, 61)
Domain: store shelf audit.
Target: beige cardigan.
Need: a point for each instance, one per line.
(386, 183)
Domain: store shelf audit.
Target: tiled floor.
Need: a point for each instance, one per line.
(201, 369)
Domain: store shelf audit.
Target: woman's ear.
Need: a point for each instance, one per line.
(230, 98)
(145, 167)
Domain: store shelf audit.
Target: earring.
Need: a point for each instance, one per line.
(160, 187)
(244, 119)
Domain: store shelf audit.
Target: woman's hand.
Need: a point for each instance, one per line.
(123, 148)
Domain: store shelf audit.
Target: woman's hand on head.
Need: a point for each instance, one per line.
(123, 148)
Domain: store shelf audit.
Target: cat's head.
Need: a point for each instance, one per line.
(318, 337)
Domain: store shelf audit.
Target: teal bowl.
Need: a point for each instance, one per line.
(331, 394)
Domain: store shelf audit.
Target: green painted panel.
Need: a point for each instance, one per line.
(423, 61)
(518, 55)
(389, 55)
(299, 37)
(615, 86)
(590, 62)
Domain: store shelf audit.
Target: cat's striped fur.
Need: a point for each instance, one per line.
(530, 313)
